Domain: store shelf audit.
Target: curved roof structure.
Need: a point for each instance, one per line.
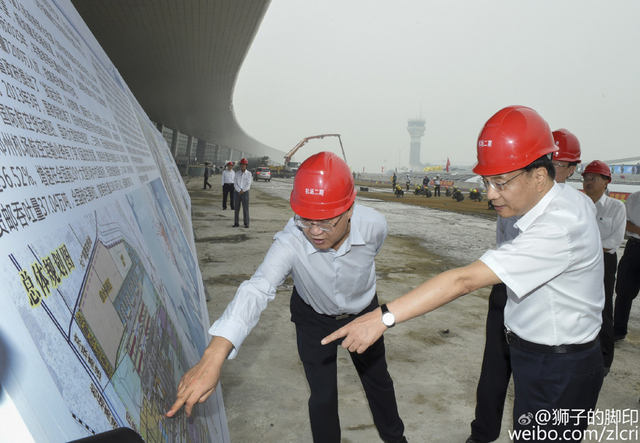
(181, 59)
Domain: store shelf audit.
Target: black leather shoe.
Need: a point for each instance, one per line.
(235, 226)
(473, 439)
(402, 440)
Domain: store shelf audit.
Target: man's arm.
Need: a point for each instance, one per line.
(441, 289)
(199, 382)
(633, 228)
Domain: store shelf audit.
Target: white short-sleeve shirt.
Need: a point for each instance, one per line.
(611, 218)
(553, 270)
(632, 205)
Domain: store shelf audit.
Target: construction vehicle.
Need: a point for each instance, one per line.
(290, 168)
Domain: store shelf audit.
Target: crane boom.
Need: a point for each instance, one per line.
(289, 155)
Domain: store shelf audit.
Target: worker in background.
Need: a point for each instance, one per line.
(241, 185)
(207, 173)
(408, 181)
(329, 249)
(628, 284)
(394, 180)
(611, 218)
(496, 363)
(566, 159)
(228, 179)
(436, 184)
(553, 270)
(425, 184)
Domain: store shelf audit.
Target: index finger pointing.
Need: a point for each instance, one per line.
(175, 407)
(334, 336)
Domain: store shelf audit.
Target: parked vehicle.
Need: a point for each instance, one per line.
(262, 174)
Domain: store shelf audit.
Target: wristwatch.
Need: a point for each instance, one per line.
(388, 318)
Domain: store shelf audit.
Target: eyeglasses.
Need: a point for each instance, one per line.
(591, 179)
(496, 186)
(323, 225)
(560, 165)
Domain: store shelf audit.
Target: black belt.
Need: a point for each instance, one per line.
(633, 240)
(522, 344)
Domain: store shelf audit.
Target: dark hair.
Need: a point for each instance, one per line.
(543, 162)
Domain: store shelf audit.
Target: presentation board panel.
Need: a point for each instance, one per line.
(102, 307)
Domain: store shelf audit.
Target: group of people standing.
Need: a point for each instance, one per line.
(425, 183)
(611, 218)
(546, 324)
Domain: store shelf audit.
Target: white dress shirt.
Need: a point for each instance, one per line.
(553, 271)
(632, 206)
(612, 222)
(228, 176)
(242, 181)
(331, 282)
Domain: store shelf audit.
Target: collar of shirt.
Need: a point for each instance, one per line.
(528, 218)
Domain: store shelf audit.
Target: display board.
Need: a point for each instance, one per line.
(102, 307)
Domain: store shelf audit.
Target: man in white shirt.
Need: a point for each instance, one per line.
(628, 284)
(496, 361)
(436, 184)
(611, 218)
(241, 187)
(228, 180)
(553, 270)
(329, 249)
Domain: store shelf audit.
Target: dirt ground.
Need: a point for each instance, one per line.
(434, 360)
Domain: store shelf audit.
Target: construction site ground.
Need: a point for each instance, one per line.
(434, 360)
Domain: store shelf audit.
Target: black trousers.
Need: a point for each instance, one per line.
(551, 382)
(627, 286)
(606, 332)
(227, 190)
(206, 182)
(241, 200)
(495, 373)
(436, 191)
(321, 370)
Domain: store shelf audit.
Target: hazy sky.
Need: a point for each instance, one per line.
(362, 68)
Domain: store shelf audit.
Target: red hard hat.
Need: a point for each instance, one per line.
(244, 161)
(230, 163)
(568, 145)
(598, 167)
(513, 138)
(322, 188)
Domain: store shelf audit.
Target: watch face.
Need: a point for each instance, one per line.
(388, 319)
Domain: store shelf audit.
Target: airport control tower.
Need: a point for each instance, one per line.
(416, 128)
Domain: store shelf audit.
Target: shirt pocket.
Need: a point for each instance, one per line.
(361, 279)
(605, 225)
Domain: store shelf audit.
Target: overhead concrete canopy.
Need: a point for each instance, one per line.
(181, 59)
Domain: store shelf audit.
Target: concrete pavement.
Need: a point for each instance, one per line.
(434, 360)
